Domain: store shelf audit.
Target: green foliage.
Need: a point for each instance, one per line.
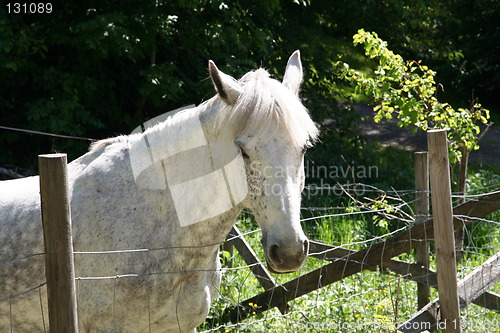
(99, 68)
(408, 91)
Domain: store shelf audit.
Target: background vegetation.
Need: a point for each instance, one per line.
(98, 68)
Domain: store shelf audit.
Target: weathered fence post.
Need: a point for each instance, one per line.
(443, 230)
(59, 265)
(422, 213)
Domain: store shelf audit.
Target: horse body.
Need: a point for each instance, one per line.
(175, 301)
(170, 278)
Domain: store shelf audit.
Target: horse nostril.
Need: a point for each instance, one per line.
(274, 254)
(306, 247)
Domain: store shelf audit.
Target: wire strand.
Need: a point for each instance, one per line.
(47, 134)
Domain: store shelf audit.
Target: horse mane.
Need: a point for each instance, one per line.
(263, 107)
(101, 144)
(266, 105)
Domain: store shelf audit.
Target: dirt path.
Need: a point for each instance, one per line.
(387, 133)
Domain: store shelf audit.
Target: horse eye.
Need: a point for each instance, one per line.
(306, 146)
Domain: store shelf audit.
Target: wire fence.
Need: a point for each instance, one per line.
(377, 302)
(376, 299)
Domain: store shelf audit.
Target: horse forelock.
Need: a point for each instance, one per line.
(267, 106)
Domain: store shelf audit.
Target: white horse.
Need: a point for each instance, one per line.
(116, 205)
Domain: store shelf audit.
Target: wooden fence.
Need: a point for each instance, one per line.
(342, 262)
(345, 262)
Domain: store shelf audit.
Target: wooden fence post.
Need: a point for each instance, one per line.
(443, 230)
(59, 265)
(422, 213)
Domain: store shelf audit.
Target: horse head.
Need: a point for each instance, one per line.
(273, 131)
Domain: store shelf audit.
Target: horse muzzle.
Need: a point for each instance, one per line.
(286, 256)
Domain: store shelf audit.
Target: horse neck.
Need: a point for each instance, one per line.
(191, 131)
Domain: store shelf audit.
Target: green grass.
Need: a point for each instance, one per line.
(368, 301)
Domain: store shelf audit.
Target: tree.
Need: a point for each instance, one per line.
(407, 90)
(98, 68)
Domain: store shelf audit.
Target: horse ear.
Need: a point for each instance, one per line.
(293, 73)
(226, 86)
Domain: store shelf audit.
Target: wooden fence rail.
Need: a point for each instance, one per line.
(470, 289)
